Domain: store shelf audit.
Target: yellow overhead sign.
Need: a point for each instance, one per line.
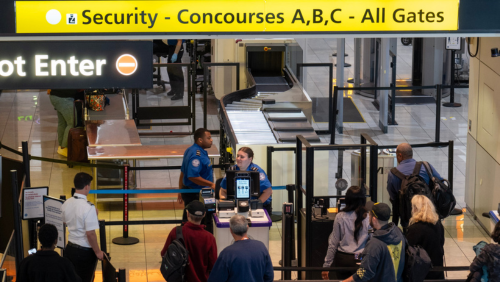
(222, 16)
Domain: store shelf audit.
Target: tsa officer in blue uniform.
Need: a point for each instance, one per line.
(244, 159)
(196, 169)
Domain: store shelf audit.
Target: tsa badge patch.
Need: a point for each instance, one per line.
(196, 163)
(262, 176)
(361, 272)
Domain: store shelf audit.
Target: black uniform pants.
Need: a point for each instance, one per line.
(395, 211)
(188, 198)
(84, 260)
(175, 74)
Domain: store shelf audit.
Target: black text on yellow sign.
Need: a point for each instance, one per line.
(235, 16)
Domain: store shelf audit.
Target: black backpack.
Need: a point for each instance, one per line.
(417, 263)
(175, 260)
(411, 185)
(444, 201)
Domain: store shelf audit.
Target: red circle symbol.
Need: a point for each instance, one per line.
(126, 64)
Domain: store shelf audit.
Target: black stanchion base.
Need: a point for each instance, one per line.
(346, 65)
(276, 216)
(456, 212)
(125, 241)
(452, 105)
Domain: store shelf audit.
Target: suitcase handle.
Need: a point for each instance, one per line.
(74, 111)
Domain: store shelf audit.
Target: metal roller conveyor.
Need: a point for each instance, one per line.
(275, 109)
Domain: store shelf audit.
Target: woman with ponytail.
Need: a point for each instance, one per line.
(349, 235)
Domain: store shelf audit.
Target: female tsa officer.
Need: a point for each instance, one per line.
(244, 162)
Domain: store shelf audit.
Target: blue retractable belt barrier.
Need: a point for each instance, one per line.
(158, 191)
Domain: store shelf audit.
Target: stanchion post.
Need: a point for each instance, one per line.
(373, 172)
(27, 183)
(452, 103)
(17, 221)
(333, 121)
(450, 163)
(438, 113)
(102, 236)
(125, 240)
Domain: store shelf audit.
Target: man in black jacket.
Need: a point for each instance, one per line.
(384, 255)
(46, 265)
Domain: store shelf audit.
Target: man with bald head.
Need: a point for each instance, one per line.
(406, 164)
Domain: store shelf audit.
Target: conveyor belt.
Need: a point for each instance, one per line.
(256, 123)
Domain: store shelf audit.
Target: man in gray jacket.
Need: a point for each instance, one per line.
(384, 255)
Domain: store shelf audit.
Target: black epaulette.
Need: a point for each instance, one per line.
(198, 153)
(90, 203)
(255, 169)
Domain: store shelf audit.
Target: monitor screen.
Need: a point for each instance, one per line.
(242, 188)
(232, 188)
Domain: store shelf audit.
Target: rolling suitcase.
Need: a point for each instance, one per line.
(77, 139)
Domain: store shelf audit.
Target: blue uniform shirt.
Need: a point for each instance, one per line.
(264, 181)
(196, 163)
(406, 167)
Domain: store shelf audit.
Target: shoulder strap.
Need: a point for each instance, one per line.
(416, 170)
(429, 170)
(178, 233)
(398, 173)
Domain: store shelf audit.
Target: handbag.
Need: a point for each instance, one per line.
(96, 100)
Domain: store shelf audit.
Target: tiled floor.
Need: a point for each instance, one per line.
(28, 115)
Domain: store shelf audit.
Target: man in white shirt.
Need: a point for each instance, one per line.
(80, 217)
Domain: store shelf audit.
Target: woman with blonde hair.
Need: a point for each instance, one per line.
(426, 231)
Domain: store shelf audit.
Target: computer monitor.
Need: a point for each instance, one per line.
(242, 184)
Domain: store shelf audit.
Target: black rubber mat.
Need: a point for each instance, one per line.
(320, 110)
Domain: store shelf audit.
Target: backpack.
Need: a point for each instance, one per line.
(411, 185)
(444, 201)
(417, 263)
(175, 260)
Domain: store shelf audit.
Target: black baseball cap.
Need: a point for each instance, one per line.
(196, 208)
(380, 211)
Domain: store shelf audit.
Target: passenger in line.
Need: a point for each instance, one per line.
(246, 260)
(383, 258)
(200, 244)
(196, 169)
(406, 164)
(244, 162)
(426, 231)
(62, 100)
(486, 265)
(46, 265)
(349, 235)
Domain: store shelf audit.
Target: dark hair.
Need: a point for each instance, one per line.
(495, 235)
(47, 235)
(355, 200)
(247, 150)
(199, 133)
(81, 180)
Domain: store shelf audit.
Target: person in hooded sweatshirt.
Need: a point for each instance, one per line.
(384, 255)
(486, 265)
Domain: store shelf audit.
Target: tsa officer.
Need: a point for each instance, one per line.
(175, 73)
(196, 169)
(81, 218)
(244, 159)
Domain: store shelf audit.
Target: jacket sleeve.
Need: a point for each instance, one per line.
(393, 191)
(368, 267)
(220, 272)
(333, 243)
(269, 274)
(412, 236)
(170, 238)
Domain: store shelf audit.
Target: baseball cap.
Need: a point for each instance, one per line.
(381, 211)
(196, 208)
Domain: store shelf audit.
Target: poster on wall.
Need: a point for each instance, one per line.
(32, 202)
(53, 214)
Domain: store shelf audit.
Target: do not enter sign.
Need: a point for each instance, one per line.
(126, 64)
